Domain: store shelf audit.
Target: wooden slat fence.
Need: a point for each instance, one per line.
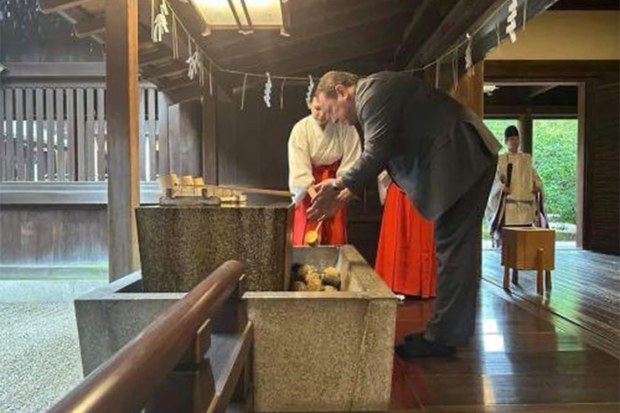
(58, 133)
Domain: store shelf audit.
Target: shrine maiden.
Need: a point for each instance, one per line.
(516, 204)
(318, 150)
(406, 252)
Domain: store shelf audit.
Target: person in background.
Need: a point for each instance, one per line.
(516, 195)
(444, 158)
(318, 150)
(406, 253)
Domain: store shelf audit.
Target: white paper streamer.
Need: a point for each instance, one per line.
(511, 20)
(310, 89)
(245, 81)
(282, 94)
(524, 13)
(160, 27)
(194, 65)
(267, 92)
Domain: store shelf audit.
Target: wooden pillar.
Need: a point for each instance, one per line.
(209, 139)
(470, 92)
(185, 138)
(122, 107)
(526, 132)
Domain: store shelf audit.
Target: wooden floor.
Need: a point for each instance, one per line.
(586, 291)
(518, 362)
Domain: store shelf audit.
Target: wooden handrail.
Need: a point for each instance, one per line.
(128, 380)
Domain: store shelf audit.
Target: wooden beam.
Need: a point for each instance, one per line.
(173, 68)
(486, 34)
(426, 18)
(54, 6)
(331, 29)
(461, 19)
(155, 57)
(545, 71)
(340, 47)
(20, 70)
(596, 5)
(122, 105)
(536, 111)
(85, 28)
(173, 84)
(184, 94)
(539, 90)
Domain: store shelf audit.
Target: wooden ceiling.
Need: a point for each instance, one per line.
(363, 36)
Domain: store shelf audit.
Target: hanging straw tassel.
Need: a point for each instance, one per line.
(245, 81)
(455, 69)
(210, 78)
(163, 8)
(175, 38)
(469, 63)
(282, 94)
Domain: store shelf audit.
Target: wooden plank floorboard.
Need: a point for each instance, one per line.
(586, 291)
(519, 361)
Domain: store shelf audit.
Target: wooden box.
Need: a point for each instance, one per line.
(520, 247)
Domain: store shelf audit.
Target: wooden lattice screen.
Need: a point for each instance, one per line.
(58, 133)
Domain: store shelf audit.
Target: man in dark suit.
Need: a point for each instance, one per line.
(444, 158)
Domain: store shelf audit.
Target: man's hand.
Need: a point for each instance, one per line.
(328, 200)
(506, 189)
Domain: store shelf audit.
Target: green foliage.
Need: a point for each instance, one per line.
(555, 160)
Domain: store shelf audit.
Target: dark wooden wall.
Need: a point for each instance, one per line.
(602, 163)
(601, 136)
(49, 235)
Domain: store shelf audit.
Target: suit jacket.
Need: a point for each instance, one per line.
(434, 148)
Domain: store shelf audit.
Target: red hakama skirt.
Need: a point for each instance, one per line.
(334, 230)
(406, 252)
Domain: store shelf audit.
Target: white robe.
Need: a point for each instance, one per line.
(309, 146)
(520, 203)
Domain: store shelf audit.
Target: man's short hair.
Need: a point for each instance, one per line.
(511, 131)
(329, 81)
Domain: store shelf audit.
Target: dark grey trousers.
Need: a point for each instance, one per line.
(457, 244)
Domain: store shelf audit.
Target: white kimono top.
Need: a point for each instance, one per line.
(520, 203)
(309, 146)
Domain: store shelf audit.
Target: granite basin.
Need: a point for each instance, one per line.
(324, 351)
(179, 244)
(313, 351)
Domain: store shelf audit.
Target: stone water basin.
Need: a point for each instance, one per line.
(313, 351)
(324, 351)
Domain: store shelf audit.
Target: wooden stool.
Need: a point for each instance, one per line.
(528, 248)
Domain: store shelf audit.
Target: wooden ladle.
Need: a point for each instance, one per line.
(312, 237)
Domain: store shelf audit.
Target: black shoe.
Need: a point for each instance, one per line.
(414, 336)
(418, 347)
